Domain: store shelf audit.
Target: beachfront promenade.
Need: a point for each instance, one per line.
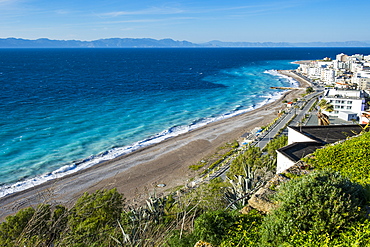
(293, 117)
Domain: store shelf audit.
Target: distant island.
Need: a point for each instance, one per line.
(162, 43)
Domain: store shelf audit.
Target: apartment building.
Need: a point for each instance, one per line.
(347, 104)
(344, 72)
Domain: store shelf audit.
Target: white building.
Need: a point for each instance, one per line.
(314, 72)
(341, 57)
(343, 72)
(305, 140)
(350, 101)
(362, 79)
(327, 76)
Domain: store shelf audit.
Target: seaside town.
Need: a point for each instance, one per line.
(298, 177)
(184, 123)
(347, 84)
(338, 110)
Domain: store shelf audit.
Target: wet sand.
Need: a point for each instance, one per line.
(137, 174)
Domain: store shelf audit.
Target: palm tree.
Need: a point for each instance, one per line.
(324, 105)
(322, 118)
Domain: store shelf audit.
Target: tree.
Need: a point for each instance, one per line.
(275, 144)
(322, 202)
(212, 226)
(251, 157)
(322, 118)
(309, 90)
(325, 106)
(94, 218)
(13, 227)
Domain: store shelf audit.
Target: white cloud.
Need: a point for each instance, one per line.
(148, 11)
(7, 1)
(150, 20)
(62, 12)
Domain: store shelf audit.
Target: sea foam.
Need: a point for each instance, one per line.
(291, 80)
(118, 104)
(120, 151)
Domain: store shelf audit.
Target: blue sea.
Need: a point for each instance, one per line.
(62, 110)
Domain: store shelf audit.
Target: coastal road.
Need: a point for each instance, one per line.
(301, 113)
(294, 115)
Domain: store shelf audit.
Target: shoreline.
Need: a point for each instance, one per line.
(108, 155)
(136, 174)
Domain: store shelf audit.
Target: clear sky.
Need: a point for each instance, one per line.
(192, 20)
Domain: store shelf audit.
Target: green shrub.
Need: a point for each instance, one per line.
(208, 196)
(321, 203)
(350, 158)
(356, 234)
(12, 229)
(251, 157)
(245, 231)
(213, 226)
(181, 239)
(275, 144)
(196, 167)
(94, 219)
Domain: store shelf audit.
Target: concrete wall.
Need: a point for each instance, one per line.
(283, 163)
(295, 136)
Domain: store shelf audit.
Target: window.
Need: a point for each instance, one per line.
(337, 101)
(336, 112)
(343, 102)
(342, 107)
(337, 107)
(349, 102)
(349, 107)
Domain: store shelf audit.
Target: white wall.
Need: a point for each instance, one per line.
(296, 136)
(283, 163)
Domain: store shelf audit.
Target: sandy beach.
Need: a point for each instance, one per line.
(137, 174)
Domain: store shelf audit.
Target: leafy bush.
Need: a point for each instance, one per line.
(196, 167)
(350, 158)
(184, 240)
(213, 226)
(245, 231)
(208, 196)
(251, 157)
(275, 144)
(356, 234)
(309, 90)
(322, 202)
(94, 219)
(13, 227)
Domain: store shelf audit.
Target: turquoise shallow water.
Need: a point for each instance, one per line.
(67, 109)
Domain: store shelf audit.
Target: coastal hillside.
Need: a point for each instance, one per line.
(323, 203)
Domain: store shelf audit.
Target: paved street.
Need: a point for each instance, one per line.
(294, 116)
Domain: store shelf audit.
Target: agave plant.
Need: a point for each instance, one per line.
(143, 221)
(155, 207)
(242, 187)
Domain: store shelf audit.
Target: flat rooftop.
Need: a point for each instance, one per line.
(320, 135)
(298, 150)
(330, 133)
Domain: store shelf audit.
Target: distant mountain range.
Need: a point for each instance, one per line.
(162, 43)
